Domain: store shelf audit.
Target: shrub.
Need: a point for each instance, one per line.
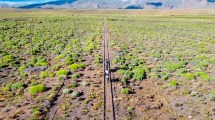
(61, 72)
(181, 71)
(82, 65)
(41, 62)
(22, 68)
(139, 74)
(130, 109)
(62, 77)
(8, 58)
(66, 91)
(125, 91)
(23, 74)
(74, 84)
(7, 87)
(74, 67)
(186, 92)
(75, 94)
(17, 85)
(36, 115)
(164, 76)
(75, 76)
(37, 89)
(85, 83)
(171, 67)
(154, 75)
(98, 59)
(173, 83)
(189, 76)
(51, 75)
(44, 74)
(69, 60)
(97, 105)
(203, 75)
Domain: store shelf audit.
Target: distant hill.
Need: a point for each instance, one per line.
(121, 4)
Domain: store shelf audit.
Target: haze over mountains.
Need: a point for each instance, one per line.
(111, 4)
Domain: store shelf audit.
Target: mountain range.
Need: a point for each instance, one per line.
(116, 4)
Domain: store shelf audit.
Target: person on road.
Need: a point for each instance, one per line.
(107, 72)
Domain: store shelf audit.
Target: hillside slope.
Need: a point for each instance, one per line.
(122, 4)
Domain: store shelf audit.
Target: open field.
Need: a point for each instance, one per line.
(162, 64)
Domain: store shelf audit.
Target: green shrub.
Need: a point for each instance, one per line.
(130, 109)
(7, 87)
(171, 67)
(51, 75)
(83, 66)
(62, 72)
(154, 75)
(36, 115)
(74, 67)
(203, 75)
(172, 83)
(139, 74)
(66, 91)
(44, 74)
(22, 68)
(164, 76)
(75, 76)
(40, 61)
(75, 94)
(17, 85)
(212, 96)
(98, 59)
(62, 77)
(74, 84)
(189, 76)
(186, 92)
(23, 74)
(37, 89)
(125, 91)
(8, 58)
(69, 60)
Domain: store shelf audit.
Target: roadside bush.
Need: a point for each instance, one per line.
(98, 59)
(37, 89)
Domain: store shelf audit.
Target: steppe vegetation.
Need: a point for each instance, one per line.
(163, 67)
